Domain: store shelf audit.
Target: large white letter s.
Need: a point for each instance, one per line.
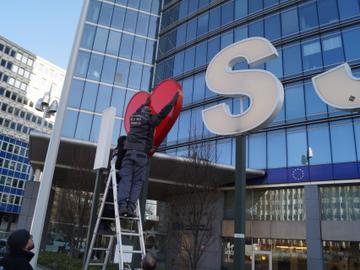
(265, 91)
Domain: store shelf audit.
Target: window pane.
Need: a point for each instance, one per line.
(348, 8)
(256, 29)
(213, 48)
(240, 33)
(191, 30)
(255, 5)
(257, 151)
(196, 124)
(83, 126)
(214, 18)
(76, 92)
(82, 64)
(126, 46)
(101, 39)
(272, 27)
(227, 13)
(108, 71)
(223, 152)
(118, 18)
(142, 24)
(139, 49)
(179, 63)
(70, 120)
(203, 22)
(201, 52)
(113, 44)
(94, 11)
(103, 98)
(181, 35)
(268, 3)
(135, 76)
(173, 133)
(319, 141)
(149, 54)
(342, 141)
(130, 21)
(118, 100)
(352, 43)
(275, 66)
(122, 72)
(241, 8)
(184, 126)
(357, 136)
(294, 102)
(153, 27)
(189, 59)
(327, 10)
(146, 78)
(94, 134)
(187, 87)
(315, 107)
(95, 66)
(289, 22)
(296, 146)
(312, 58)
(332, 49)
(227, 39)
(276, 149)
(89, 96)
(292, 59)
(105, 14)
(88, 37)
(199, 87)
(308, 16)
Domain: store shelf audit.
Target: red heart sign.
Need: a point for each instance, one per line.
(159, 97)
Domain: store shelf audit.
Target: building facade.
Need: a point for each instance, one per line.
(24, 78)
(309, 152)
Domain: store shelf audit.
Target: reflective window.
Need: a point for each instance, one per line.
(357, 136)
(118, 18)
(191, 30)
(240, 33)
(89, 96)
(103, 98)
(93, 11)
(214, 18)
(105, 14)
(223, 152)
(172, 135)
(268, 3)
(179, 63)
(342, 141)
(181, 35)
(133, 3)
(87, 39)
(327, 10)
(130, 21)
(113, 44)
(95, 67)
(202, 24)
(227, 12)
(197, 125)
(294, 102)
(292, 59)
(199, 87)
(308, 16)
(126, 46)
(311, 51)
(83, 126)
(256, 29)
(183, 11)
(272, 27)
(122, 72)
(276, 149)
(257, 151)
(241, 8)
(139, 49)
(332, 49)
(319, 141)
(146, 78)
(187, 86)
(348, 8)
(149, 53)
(153, 27)
(108, 71)
(100, 39)
(289, 20)
(135, 76)
(315, 107)
(70, 120)
(184, 126)
(200, 55)
(213, 48)
(94, 133)
(192, 6)
(275, 66)
(142, 24)
(189, 62)
(352, 43)
(76, 92)
(118, 100)
(227, 38)
(296, 146)
(255, 5)
(82, 64)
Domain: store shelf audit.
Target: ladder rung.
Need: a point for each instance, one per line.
(96, 264)
(129, 218)
(104, 249)
(110, 203)
(133, 251)
(107, 218)
(130, 234)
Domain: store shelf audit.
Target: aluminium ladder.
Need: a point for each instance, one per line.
(119, 233)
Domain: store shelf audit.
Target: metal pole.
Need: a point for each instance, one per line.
(42, 200)
(93, 212)
(240, 203)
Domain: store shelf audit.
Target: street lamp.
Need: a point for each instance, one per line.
(43, 105)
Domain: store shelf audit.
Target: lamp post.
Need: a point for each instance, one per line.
(47, 106)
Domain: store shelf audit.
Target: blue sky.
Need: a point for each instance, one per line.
(44, 27)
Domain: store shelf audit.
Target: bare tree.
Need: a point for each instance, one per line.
(194, 207)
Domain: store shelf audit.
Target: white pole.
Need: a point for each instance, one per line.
(42, 200)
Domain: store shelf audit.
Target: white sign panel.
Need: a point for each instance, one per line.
(339, 88)
(105, 138)
(264, 90)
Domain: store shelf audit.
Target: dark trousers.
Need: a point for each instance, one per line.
(132, 176)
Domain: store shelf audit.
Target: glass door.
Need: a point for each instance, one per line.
(261, 260)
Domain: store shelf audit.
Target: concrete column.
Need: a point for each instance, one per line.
(313, 228)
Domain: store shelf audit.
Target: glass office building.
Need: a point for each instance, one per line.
(308, 144)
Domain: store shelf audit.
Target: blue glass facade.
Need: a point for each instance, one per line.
(115, 60)
(311, 37)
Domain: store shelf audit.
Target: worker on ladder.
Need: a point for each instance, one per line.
(138, 144)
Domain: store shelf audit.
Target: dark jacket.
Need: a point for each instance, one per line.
(19, 260)
(142, 125)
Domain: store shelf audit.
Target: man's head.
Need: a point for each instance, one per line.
(148, 262)
(146, 109)
(20, 240)
(121, 140)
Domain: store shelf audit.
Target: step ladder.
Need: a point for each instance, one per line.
(99, 240)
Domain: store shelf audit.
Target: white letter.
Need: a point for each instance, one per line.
(338, 88)
(265, 91)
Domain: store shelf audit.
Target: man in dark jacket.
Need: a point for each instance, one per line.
(19, 256)
(138, 144)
